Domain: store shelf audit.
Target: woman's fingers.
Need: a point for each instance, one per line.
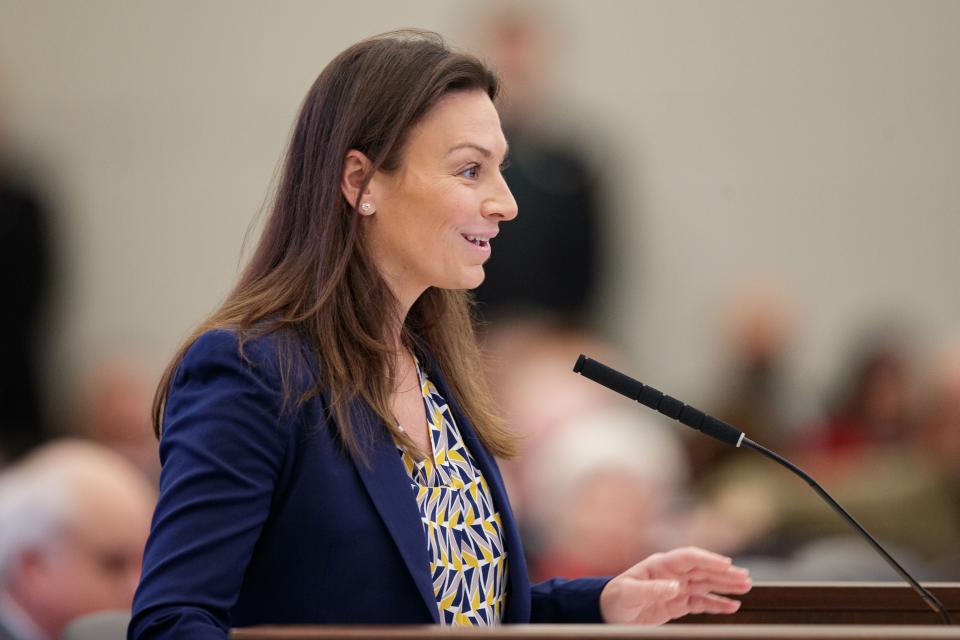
(643, 593)
(711, 571)
(701, 588)
(737, 582)
(693, 558)
(730, 574)
(680, 561)
(710, 603)
(658, 613)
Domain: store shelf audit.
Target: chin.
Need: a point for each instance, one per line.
(475, 280)
(468, 279)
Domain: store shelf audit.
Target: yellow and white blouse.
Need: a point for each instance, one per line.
(468, 562)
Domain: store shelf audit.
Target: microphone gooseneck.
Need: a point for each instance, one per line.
(696, 419)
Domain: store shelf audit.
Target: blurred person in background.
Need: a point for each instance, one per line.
(869, 455)
(756, 393)
(938, 437)
(531, 377)
(872, 405)
(608, 487)
(939, 431)
(549, 265)
(111, 406)
(25, 274)
(74, 517)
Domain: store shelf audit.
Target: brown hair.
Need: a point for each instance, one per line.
(310, 272)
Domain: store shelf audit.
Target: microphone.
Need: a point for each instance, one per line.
(720, 430)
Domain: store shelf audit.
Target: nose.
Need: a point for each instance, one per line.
(501, 205)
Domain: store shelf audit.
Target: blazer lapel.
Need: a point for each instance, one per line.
(518, 596)
(389, 487)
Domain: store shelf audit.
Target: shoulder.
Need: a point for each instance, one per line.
(225, 343)
(272, 356)
(229, 387)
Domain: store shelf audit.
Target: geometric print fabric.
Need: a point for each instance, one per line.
(468, 563)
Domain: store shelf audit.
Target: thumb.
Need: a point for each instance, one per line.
(662, 589)
(647, 592)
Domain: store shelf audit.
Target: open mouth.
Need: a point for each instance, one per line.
(483, 243)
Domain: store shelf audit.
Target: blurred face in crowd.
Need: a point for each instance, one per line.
(94, 563)
(436, 216)
(607, 524)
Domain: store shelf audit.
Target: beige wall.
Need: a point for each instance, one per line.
(817, 140)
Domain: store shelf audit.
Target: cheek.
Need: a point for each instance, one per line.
(454, 214)
(426, 224)
(428, 212)
(104, 591)
(83, 586)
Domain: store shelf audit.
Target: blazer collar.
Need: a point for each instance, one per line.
(389, 487)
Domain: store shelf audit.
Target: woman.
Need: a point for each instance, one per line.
(326, 437)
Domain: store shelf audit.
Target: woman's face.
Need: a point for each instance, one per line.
(437, 214)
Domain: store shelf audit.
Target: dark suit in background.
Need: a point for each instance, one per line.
(24, 283)
(547, 261)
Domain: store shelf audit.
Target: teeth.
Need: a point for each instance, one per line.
(480, 242)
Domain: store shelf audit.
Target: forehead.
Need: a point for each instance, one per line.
(458, 118)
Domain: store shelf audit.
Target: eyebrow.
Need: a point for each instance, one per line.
(471, 145)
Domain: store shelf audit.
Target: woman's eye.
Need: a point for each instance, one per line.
(472, 172)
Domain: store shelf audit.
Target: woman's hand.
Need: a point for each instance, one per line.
(672, 584)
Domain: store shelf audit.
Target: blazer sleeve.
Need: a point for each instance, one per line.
(222, 450)
(561, 600)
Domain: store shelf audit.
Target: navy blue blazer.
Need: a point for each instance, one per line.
(263, 518)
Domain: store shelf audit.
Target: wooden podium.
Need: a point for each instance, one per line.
(781, 611)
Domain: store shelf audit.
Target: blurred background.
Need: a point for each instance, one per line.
(752, 205)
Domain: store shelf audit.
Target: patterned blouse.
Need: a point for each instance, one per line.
(464, 534)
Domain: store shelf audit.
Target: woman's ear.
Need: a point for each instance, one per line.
(356, 168)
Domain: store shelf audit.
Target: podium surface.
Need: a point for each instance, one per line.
(776, 610)
(865, 603)
(604, 632)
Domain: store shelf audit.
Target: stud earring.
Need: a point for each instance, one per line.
(366, 208)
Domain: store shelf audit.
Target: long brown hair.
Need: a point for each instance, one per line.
(310, 274)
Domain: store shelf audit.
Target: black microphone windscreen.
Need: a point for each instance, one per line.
(657, 400)
(610, 378)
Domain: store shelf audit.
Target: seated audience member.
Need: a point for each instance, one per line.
(529, 364)
(939, 430)
(938, 440)
(872, 455)
(74, 517)
(756, 389)
(871, 408)
(111, 406)
(609, 486)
